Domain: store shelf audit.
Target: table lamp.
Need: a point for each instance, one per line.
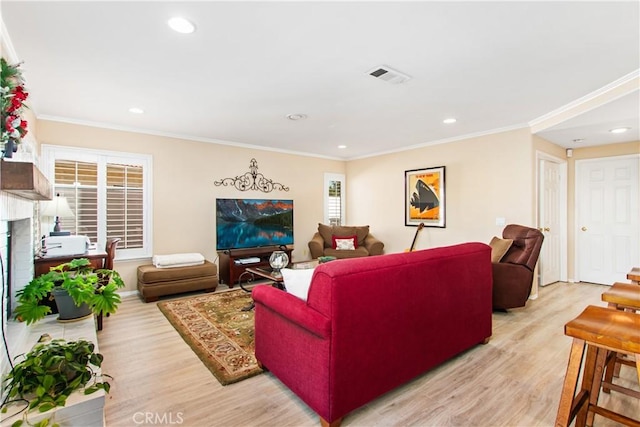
(58, 208)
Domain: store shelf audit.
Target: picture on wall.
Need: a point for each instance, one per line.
(425, 197)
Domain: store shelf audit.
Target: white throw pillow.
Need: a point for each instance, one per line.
(345, 244)
(297, 281)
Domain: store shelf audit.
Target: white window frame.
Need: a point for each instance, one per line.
(52, 152)
(328, 179)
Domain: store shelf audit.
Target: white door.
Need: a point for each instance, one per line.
(549, 221)
(607, 219)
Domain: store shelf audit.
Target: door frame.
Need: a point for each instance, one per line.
(576, 205)
(563, 207)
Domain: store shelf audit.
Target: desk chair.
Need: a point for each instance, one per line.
(110, 249)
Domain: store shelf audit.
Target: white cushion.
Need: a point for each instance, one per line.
(345, 244)
(297, 281)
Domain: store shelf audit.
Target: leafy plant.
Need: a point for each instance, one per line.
(96, 288)
(51, 371)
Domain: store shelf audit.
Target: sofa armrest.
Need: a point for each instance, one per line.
(291, 308)
(316, 246)
(373, 245)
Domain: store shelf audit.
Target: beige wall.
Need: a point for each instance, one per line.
(183, 185)
(486, 178)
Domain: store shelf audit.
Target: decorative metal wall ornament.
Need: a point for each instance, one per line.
(252, 180)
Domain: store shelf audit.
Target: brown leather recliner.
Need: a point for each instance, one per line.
(513, 275)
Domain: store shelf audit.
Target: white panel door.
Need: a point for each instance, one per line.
(549, 224)
(608, 219)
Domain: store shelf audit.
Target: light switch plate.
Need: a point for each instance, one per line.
(501, 221)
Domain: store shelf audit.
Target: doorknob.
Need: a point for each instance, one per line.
(584, 229)
(547, 229)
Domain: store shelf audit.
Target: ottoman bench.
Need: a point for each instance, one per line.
(155, 282)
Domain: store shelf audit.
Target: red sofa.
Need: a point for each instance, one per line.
(371, 324)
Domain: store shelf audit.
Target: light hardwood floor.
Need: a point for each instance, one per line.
(515, 380)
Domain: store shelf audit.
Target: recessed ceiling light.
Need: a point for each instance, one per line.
(296, 116)
(181, 25)
(342, 146)
(136, 110)
(449, 121)
(619, 130)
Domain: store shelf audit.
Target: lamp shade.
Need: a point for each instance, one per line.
(58, 207)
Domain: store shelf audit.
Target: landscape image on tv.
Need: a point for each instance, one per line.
(251, 223)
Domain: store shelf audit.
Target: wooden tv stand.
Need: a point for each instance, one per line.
(231, 268)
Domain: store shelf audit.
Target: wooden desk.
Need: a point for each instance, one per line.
(42, 265)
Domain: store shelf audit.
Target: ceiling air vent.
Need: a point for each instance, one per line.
(388, 75)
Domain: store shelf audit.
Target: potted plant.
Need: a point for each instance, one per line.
(51, 372)
(75, 280)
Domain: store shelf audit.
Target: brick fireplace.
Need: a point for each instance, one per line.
(18, 235)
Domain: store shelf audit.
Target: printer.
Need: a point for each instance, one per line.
(56, 246)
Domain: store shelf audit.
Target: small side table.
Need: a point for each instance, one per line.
(634, 275)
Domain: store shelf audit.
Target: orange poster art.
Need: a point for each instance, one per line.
(425, 197)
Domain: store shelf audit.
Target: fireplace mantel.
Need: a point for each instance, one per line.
(24, 179)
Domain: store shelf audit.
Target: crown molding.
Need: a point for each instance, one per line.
(610, 92)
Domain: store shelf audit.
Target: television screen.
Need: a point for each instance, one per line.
(251, 223)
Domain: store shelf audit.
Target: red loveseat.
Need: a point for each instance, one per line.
(371, 324)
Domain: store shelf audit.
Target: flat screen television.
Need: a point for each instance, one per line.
(252, 223)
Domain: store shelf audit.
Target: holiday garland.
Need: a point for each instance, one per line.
(13, 93)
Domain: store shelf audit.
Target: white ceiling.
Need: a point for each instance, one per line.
(491, 65)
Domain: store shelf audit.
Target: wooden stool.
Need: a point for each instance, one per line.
(599, 330)
(634, 275)
(621, 296)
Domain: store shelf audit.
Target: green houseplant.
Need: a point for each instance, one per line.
(95, 288)
(51, 372)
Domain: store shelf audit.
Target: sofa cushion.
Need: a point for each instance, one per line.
(360, 251)
(344, 243)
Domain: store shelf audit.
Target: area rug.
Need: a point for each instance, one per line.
(218, 332)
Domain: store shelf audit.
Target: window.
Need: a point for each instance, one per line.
(334, 206)
(109, 194)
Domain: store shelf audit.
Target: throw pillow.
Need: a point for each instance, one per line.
(344, 243)
(499, 247)
(297, 281)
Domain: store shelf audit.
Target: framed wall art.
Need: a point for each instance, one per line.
(424, 197)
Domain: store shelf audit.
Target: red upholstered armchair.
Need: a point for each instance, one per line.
(513, 274)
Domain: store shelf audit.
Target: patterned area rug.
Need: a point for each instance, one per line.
(218, 332)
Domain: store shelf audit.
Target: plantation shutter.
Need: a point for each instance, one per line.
(79, 183)
(125, 208)
(334, 203)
